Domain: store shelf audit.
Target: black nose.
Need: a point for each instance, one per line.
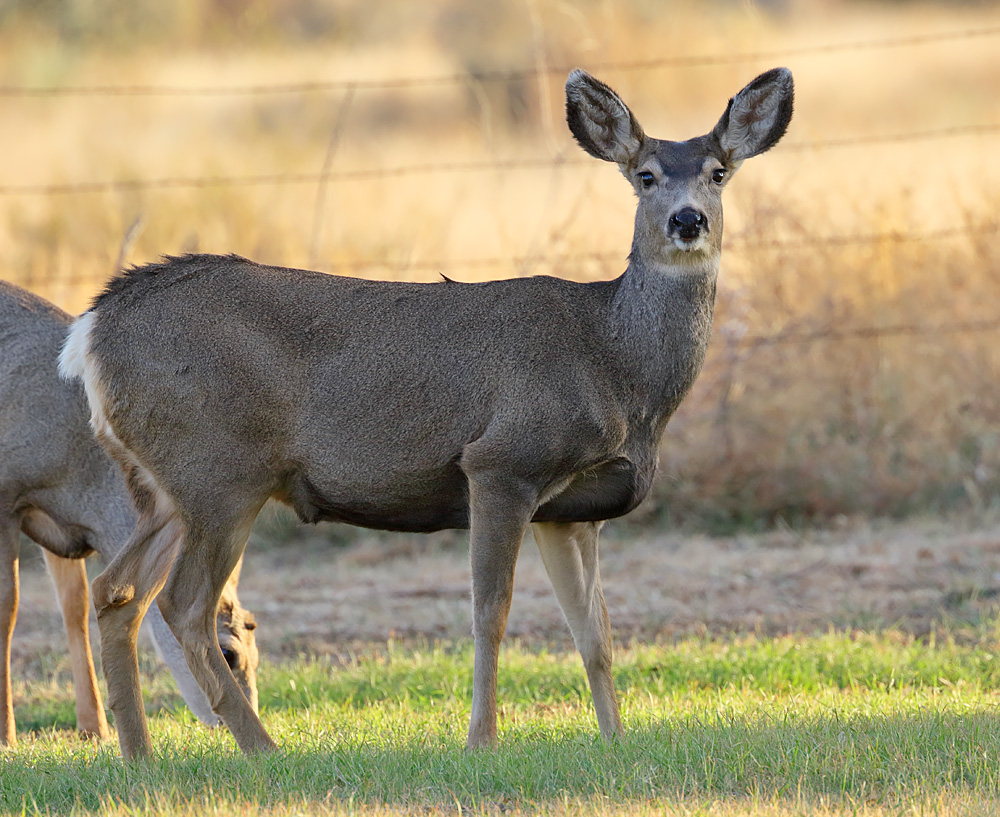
(687, 222)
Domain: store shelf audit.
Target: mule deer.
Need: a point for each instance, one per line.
(65, 493)
(219, 383)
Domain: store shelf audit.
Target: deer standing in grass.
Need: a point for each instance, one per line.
(61, 489)
(219, 383)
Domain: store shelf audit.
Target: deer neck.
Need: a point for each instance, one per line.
(662, 321)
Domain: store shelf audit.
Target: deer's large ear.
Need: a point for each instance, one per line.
(600, 121)
(757, 116)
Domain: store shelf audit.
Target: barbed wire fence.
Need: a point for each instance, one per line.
(349, 89)
(405, 83)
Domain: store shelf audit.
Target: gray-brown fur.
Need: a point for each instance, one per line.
(418, 406)
(60, 488)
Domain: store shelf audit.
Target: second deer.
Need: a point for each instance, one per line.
(219, 383)
(67, 495)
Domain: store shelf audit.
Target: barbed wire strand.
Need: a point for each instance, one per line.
(949, 132)
(870, 333)
(440, 168)
(730, 245)
(733, 244)
(402, 83)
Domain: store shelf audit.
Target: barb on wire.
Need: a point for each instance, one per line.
(515, 261)
(403, 83)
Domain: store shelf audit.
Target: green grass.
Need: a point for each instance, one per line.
(872, 724)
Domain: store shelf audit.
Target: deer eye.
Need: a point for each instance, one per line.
(646, 178)
(718, 175)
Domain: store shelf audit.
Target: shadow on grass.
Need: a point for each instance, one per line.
(871, 758)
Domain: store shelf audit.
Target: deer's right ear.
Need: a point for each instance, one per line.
(600, 121)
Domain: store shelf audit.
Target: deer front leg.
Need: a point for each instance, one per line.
(9, 590)
(70, 579)
(499, 513)
(569, 553)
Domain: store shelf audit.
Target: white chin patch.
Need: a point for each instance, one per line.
(690, 246)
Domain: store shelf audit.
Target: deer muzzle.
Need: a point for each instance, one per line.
(687, 225)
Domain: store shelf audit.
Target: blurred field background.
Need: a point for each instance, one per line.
(853, 369)
(852, 376)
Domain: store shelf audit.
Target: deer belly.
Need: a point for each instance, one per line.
(419, 506)
(610, 490)
(439, 500)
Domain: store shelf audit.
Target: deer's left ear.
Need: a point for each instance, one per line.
(757, 116)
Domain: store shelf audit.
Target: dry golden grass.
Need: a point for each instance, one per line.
(793, 429)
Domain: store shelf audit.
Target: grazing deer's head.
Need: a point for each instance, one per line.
(236, 628)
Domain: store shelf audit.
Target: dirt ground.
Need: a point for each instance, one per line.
(314, 597)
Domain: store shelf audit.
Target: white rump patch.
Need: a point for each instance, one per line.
(73, 356)
(76, 363)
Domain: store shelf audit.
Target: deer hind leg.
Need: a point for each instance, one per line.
(189, 603)
(122, 594)
(9, 591)
(569, 552)
(70, 579)
(499, 513)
